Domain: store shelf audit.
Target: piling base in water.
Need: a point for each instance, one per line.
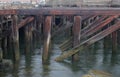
(6, 65)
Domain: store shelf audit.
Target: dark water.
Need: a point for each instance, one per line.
(92, 58)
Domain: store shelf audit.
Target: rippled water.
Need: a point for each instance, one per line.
(92, 58)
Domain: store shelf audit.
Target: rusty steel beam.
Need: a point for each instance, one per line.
(88, 42)
(25, 21)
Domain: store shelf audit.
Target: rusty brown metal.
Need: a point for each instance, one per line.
(25, 21)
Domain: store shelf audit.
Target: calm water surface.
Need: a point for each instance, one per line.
(92, 58)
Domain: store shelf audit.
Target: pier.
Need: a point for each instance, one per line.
(82, 26)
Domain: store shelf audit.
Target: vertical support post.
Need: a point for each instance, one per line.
(39, 20)
(118, 34)
(34, 34)
(69, 30)
(1, 53)
(76, 35)
(15, 34)
(114, 42)
(31, 35)
(4, 39)
(9, 38)
(47, 39)
(4, 46)
(106, 43)
(28, 38)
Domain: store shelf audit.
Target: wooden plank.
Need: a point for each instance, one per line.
(70, 11)
(25, 21)
(62, 11)
(88, 42)
(98, 27)
(87, 17)
(95, 23)
(87, 28)
(66, 42)
(8, 12)
(67, 46)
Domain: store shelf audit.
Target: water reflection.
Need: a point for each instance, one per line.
(30, 65)
(46, 70)
(16, 69)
